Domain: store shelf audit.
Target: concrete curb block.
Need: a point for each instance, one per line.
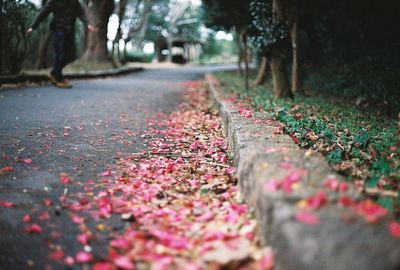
(38, 78)
(342, 239)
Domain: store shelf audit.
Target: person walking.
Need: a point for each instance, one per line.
(65, 13)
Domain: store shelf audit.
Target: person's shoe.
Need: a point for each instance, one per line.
(63, 84)
(52, 79)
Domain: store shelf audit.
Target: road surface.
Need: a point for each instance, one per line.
(45, 131)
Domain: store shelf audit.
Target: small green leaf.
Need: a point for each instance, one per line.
(335, 157)
(386, 202)
(362, 139)
(204, 191)
(327, 133)
(372, 183)
(382, 166)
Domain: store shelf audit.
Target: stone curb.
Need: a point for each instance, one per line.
(342, 240)
(38, 78)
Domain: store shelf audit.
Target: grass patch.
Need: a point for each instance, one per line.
(358, 142)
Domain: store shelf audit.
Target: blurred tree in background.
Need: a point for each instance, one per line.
(15, 19)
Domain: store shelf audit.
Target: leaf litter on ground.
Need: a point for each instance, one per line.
(177, 201)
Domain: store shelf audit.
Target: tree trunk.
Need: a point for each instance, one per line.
(246, 62)
(279, 73)
(140, 34)
(100, 12)
(240, 55)
(262, 72)
(170, 43)
(118, 36)
(294, 34)
(43, 50)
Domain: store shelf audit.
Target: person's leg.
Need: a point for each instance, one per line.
(70, 51)
(59, 50)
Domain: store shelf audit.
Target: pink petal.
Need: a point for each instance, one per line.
(83, 238)
(83, 257)
(120, 243)
(64, 179)
(343, 187)
(272, 185)
(34, 228)
(78, 219)
(394, 228)
(106, 173)
(124, 263)
(307, 218)
(69, 260)
(28, 161)
(267, 260)
(332, 184)
(26, 218)
(6, 204)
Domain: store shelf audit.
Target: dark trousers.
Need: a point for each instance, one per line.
(64, 48)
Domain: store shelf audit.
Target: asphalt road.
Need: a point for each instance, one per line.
(79, 131)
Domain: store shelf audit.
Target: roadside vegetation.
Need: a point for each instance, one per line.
(358, 141)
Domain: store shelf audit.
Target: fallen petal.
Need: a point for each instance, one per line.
(83, 257)
(394, 228)
(307, 218)
(124, 263)
(34, 228)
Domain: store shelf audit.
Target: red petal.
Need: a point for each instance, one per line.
(56, 255)
(47, 202)
(44, 215)
(64, 179)
(394, 228)
(7, 169)
(343, 187)
(307, 218)
(317, 201)
(34, 228)
(103, 266)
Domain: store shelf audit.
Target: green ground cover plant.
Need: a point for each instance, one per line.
(359, 142)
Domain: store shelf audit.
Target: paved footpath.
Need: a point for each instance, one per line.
(50, 137)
